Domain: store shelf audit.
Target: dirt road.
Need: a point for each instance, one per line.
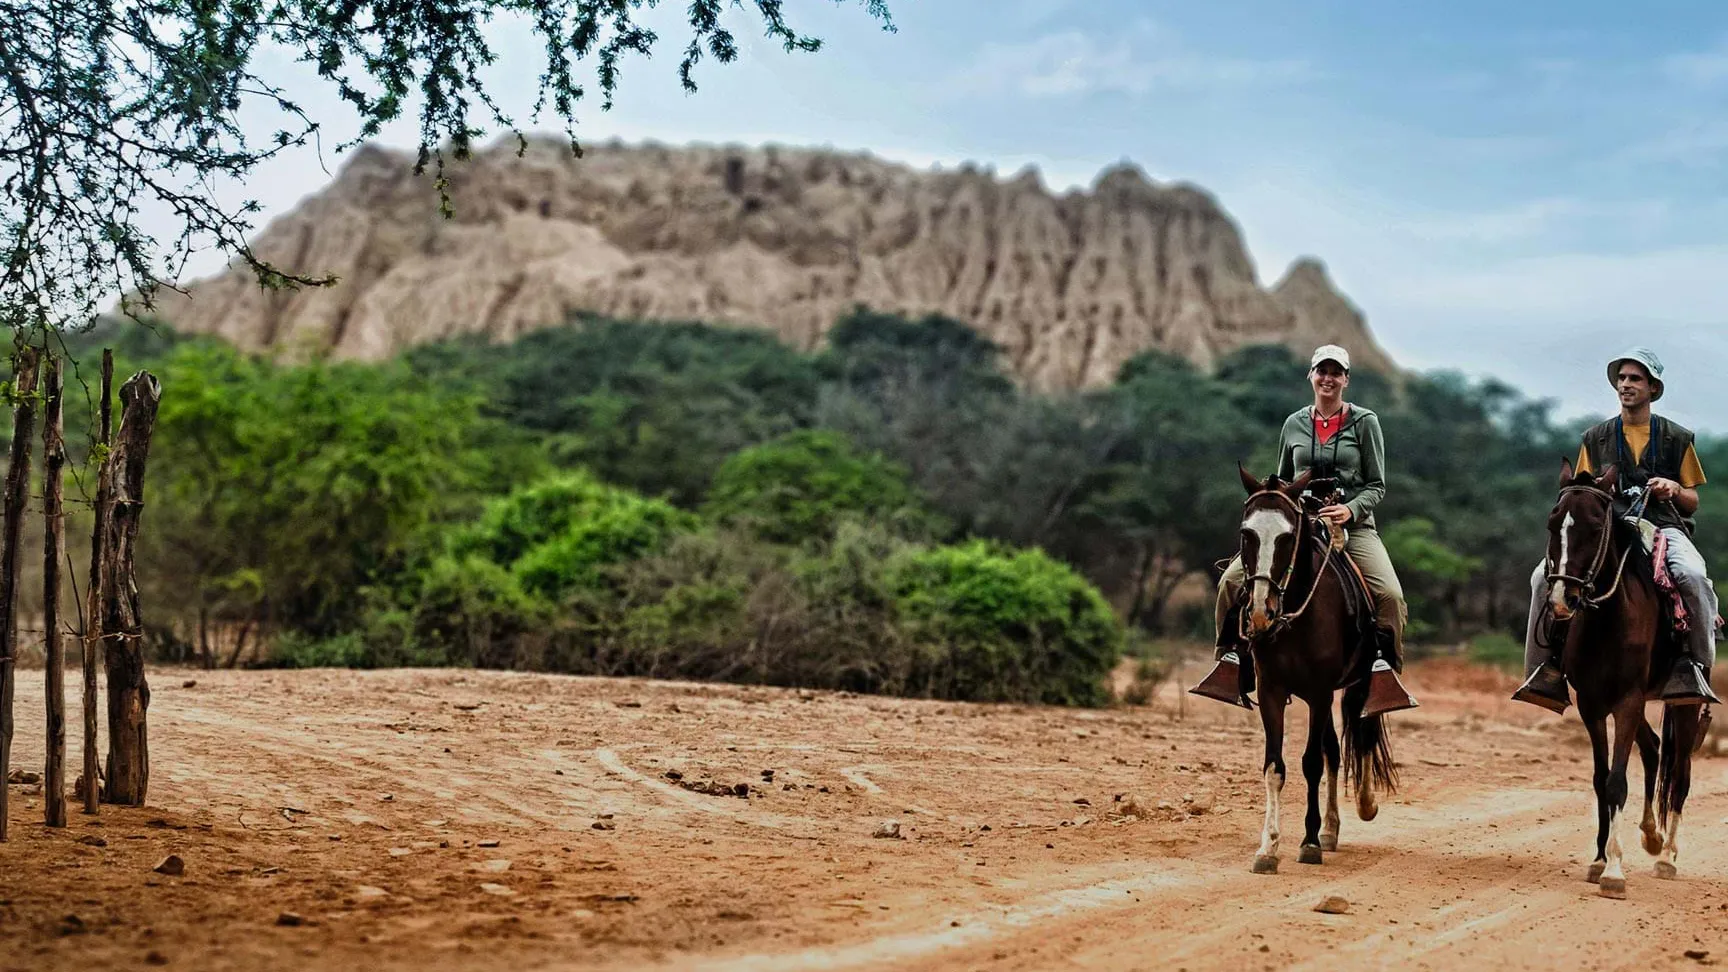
(483, 820)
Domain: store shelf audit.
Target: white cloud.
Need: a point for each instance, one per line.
(1699, 68)
(1072, 62)
(1679, 285)
(1701, 144)
(1538, 312)
(1031, 13)
(1522, 221)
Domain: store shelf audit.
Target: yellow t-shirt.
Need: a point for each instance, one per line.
(1637, 438)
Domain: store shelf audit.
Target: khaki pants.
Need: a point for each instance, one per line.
(1365, 548)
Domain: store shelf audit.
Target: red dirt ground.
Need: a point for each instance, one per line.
(368, 804)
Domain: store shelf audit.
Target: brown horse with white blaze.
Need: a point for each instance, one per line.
(1305, 643)
(1602, 590)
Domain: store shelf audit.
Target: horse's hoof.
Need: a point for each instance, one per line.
(1309, 854)
(1328, 842)
(1264, 864)
(1368, 812)
(1666, 871)
(1612, 888)
(1652, 843)
(1596, 869)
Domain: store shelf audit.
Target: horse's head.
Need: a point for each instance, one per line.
(1271, 528)
(1579, 529)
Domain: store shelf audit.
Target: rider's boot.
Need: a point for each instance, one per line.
(1385, 692)
(1546, 685)
(1688, 684)
(1229, 681)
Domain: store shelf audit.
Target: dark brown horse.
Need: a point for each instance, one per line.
(1602, 591)
(1305, 642)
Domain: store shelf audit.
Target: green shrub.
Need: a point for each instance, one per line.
(467, 612)
(1007, 625)
(295, 650)
(686, 611)
(1496, 648)
(798, 488)
(557, 534)
(629, 528)
(512, 525)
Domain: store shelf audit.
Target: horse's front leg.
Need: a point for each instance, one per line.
(1597, 726)
(1626, 719)
(1272, 703)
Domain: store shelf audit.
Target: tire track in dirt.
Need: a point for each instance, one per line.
(1022, 863)
(1500, 852)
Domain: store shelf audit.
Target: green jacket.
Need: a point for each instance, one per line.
(1356, 457)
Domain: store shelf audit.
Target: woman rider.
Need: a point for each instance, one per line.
(1339, 440)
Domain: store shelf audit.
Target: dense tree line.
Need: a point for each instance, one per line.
(891, 513)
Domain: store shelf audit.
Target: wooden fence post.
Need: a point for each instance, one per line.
(89, 785)
(12, 512)
(122, 621)
(53, 551)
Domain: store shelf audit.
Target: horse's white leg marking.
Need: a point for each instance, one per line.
(1269, 832)
(1666, 865)
(1613, 880)
(1329, 829)
(1367, 808)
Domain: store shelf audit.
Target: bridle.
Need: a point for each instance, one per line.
(1279, 587)
(1587, 583)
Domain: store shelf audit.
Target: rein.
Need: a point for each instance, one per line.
(1303, 534)
(1587, 584)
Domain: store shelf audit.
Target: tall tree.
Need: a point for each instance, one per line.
(116, 111)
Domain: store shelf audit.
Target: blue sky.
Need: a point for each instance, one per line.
(1515, 189)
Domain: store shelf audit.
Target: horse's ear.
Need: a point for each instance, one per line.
(1609, 478)
(1565, 471)
(1249, 483)
(1299, 482)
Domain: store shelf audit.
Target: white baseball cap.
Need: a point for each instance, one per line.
(1330, 352)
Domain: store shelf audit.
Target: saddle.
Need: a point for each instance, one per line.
(1359, 608)
(1358, 597)
(1650, 560)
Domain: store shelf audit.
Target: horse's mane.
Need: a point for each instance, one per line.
(1638, 559)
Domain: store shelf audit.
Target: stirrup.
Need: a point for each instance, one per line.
(1545, 687)
(1224, 683)
(1385, 692)
(1687, 685)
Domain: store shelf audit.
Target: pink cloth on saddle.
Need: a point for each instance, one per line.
(1665, 583)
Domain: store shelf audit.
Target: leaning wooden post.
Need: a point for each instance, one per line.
(12, 512)
(122, 622)
(88, 786)
(53, 551)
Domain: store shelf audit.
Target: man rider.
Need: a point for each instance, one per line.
(1655, 456)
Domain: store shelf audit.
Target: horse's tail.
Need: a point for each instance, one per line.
(1680, 730)
(1665, 769)
(1367, 750)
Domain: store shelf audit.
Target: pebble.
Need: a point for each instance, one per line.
(1333, 905)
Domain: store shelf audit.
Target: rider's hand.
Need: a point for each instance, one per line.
(1662, 489)
(1335, 515)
